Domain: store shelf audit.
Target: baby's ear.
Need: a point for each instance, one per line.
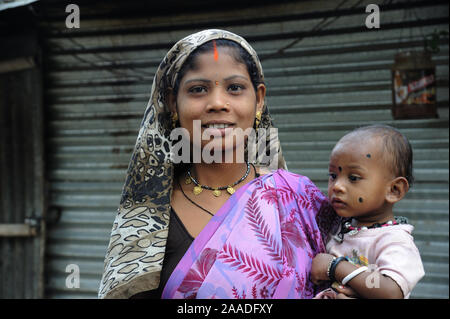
(398, 188)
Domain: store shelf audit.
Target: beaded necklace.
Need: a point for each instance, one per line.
(202, 208)
(216, 191)
(349, 229)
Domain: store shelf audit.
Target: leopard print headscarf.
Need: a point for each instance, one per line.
(136, 249)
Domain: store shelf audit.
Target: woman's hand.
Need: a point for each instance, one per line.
(319, 268)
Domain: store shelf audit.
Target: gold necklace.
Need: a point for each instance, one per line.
(198, 188)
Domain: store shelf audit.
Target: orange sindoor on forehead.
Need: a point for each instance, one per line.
(216, 53)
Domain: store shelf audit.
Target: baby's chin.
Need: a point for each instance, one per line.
(344, 213)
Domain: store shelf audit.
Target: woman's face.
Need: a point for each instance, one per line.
(219, 94)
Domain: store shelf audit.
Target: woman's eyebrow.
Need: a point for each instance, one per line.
(197, 80)
(235, 76)
(209, 81)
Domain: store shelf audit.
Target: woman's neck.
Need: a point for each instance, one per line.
(218, 174)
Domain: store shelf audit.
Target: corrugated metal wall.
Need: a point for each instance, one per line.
(326, 74)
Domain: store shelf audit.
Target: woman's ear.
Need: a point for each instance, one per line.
(398, 188)
(171, 100)
(260, 95)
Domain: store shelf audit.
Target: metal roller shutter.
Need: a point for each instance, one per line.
(326, 74)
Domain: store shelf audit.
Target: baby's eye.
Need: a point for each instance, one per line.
(354, 178)
(332, 176)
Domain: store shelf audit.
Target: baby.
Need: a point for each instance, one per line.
(373, 255)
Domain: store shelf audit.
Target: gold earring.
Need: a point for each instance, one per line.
(174, 119)
(258, 118)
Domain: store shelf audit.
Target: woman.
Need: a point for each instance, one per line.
(212, 228)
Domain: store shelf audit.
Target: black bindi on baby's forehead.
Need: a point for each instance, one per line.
(360, 200)
(368, 155)
(340, 169)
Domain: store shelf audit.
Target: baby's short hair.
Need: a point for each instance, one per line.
(396, 145)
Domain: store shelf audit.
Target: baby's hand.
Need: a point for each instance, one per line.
(319, 268)
(343, 292)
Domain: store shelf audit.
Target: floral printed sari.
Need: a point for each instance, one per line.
(260, 244)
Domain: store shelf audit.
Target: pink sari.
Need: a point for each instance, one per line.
(258, 245)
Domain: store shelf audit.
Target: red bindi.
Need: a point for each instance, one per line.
(216, 53)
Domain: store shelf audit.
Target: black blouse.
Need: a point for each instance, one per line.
(178, 242)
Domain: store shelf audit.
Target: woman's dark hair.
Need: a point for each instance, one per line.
(239, 53)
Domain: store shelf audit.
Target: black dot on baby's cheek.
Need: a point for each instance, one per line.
(360, 199)
(368, 155)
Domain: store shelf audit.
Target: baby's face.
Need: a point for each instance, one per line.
(358, 178)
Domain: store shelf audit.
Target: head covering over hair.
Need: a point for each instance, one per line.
(136, 249)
